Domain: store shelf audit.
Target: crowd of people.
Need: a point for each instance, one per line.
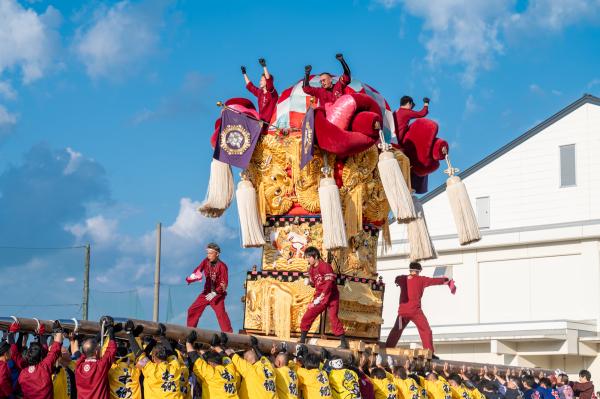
(69, 366)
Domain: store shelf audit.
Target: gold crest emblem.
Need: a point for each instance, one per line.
(235, 139)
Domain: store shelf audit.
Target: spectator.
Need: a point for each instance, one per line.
(490, 392)
(545, 389)
(584, 389)
(529, 386)
(564, 389)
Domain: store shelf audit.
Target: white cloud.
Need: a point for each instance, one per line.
(594, 82)
(75, 159)
(471, 33)
(181, 241)
(70, 280)
(7, 91)
(142, 116)
(28, 39)
(460, 32)
(98, 228)
(118, 37)
(555, 15)
(534, 88)
(7, 119)
(470, 105)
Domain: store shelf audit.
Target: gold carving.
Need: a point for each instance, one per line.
(276, 307)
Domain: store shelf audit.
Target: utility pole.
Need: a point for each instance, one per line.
(86, 284)
(157, 274)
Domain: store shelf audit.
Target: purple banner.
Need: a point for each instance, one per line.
(308, 137)
(237, 139)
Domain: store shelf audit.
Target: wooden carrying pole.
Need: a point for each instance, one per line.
(241, 341)
(179, 333)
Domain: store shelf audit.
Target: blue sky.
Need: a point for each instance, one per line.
(106, 109)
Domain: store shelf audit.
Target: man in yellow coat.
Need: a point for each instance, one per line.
(258, 374)
(216, 372)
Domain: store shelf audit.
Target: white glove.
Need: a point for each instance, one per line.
(378, 360)
(317, 301)
(306, 281)
(210, 296)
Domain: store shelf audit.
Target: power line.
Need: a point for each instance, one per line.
(41, 306)
(42, 248)
(116, 292)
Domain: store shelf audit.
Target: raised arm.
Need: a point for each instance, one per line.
(340, 58)
(263, 64)
(429, 281)
(54, 351)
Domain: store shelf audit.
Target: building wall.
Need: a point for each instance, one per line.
(529, 282)
(539, 259)
(524, 184)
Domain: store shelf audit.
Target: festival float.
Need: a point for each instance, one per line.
(328, 177)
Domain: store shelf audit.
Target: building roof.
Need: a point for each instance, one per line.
(585, 99)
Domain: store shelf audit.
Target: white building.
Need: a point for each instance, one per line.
(529, 291)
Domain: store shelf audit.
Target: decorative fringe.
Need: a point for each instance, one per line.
(282, 314)
(262, 203)
(395, 188)
(252, 229)
(266, 310)
(220, 190)
(404, 163)
(462, 211)
(353, 211)
(334, 233)
(421, 247)
(386, 238)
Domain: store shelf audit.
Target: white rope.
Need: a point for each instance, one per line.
(15, 319)
(76, 325)
(37, 330)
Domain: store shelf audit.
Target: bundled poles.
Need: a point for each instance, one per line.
(177, 333)
(237, 341)
(460, 204)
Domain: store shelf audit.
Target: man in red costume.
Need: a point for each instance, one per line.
(411, 292)
(405, 113)
(35, 378)
(215, 289)
(6, 388)
(266, 94)
(327, 296)
(91, 369)
(328, 92)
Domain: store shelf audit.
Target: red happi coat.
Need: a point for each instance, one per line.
(216, 277)
(36, 381)
(326, 96)
(323, 279)
(267, 101)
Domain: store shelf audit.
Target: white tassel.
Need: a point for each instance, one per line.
(394, 185)
(332, 218)
(252, 229)
(220, 190)
(462, 211)
(421, 247)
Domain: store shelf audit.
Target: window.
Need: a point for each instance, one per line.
(567, 165)
(442, 271)
(483, 212)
